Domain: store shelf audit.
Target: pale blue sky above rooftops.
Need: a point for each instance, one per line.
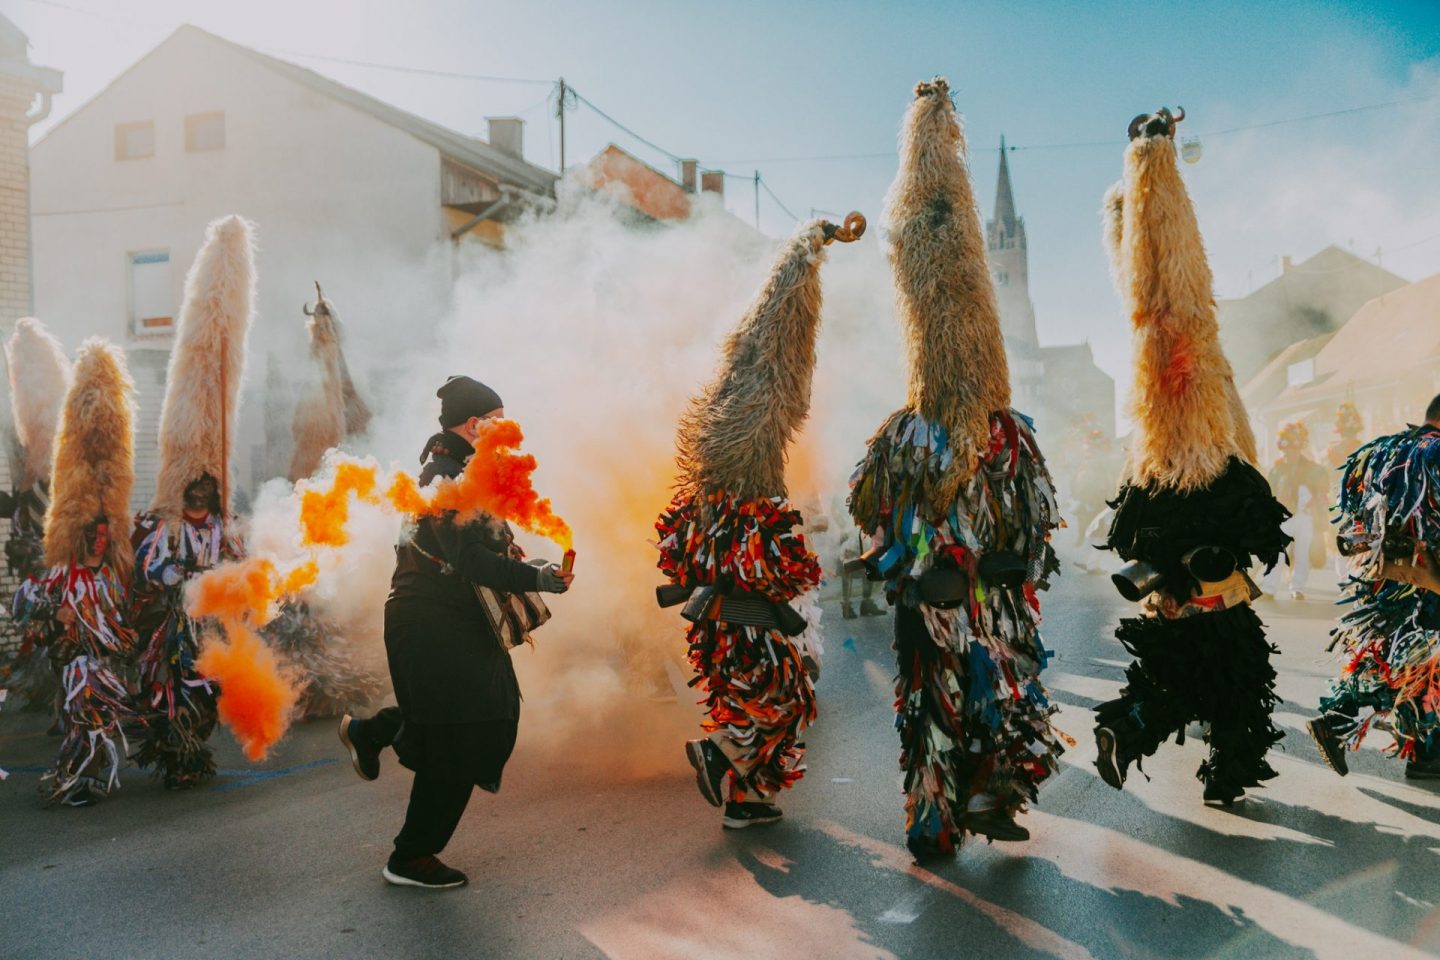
(772, 86)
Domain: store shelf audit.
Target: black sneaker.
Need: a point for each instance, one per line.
(738, 816)
(1219, 795)
(847, 611)
(1423, 769)
(1108, 759)
(363, 757)
(868, 608)
(1332, 751)
(427, 872)
(710, 769)
(994, 825)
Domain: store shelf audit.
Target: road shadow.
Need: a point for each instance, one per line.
(984, 906)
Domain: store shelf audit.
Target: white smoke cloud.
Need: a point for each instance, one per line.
(596, 331)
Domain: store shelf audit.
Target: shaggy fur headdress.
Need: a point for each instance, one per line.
(202, 390)
(39, 377)
(319, 422)
(959, 374)
(94, 458)
(734, 435)
(1189, 415)
(331, 408)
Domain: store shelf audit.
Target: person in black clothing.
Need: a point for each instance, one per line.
(459, 702)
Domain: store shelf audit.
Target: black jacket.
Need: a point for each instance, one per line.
(446, 663)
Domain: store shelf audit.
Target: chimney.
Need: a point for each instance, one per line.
(1285, 264)
(713, 181)
(507, 134)
(687, 174)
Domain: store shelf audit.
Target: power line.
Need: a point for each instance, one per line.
(1083, 144)
(1321, 116)
(778, 202)
(616, 123)
(422, 71)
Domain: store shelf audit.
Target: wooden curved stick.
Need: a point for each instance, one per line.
(848, 232)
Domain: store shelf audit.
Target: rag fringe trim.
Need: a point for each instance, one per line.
(758, 693)
(974, 718)
(1212, 668)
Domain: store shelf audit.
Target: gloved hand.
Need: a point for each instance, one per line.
(552, 579)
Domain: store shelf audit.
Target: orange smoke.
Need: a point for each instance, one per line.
(497, 481)
(405, 496)
(256, 696)
(246, 590)
(324, 514)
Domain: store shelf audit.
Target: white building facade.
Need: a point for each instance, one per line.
(341, 188)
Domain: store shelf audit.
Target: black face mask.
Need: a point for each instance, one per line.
(201, 495)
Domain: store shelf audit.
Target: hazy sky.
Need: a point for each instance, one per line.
(744, 85)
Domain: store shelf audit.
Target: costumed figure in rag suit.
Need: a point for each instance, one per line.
(1194, 511)
(462, 597)
(1091, 485)
(79, 606)
(39, 377)
(1348, 430)
(731, 542)
(189, 527)
(1390, 532)
(1303, 486)
(959, 506)
(330, 410)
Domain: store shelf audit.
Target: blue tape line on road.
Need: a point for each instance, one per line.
(247, 778)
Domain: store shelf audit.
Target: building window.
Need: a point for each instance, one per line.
(205, 131)
(151, 309)
(1300, 373)
(135, 141)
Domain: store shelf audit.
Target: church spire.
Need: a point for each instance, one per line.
(1004, 199)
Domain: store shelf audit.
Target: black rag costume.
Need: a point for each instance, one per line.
(459, 701)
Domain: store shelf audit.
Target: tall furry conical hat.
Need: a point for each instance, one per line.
(734, 434)
(39, 377)
(319, 422)
(959, 374)
(94, 458)
(1190, 417)
(202, 390)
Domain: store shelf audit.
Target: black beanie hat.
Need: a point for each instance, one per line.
(462, 398)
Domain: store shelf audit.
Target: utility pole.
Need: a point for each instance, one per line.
(757, 199)
(560, 112)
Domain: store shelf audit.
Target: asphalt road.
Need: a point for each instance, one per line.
(584, 855)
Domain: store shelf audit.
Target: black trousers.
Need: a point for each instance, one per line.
(436, 803)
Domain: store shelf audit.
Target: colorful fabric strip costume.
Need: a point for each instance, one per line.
(95, 706)
(189, 527)
(730, 541)
(955, 496)
(78, 607)
(39, 374)
(1390, 520)
(177, 702)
